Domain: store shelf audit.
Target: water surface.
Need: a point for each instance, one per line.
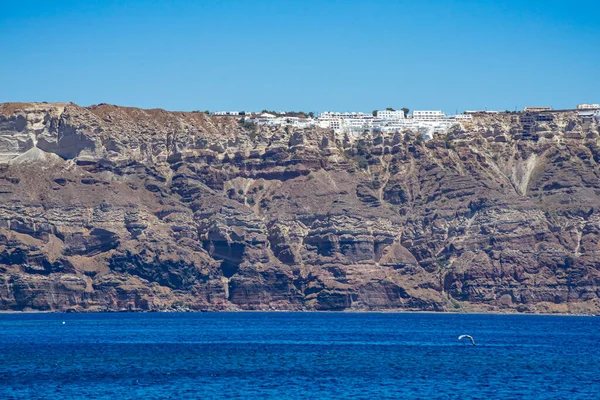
(297, 355)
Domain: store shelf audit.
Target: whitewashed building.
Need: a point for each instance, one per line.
(390, 114)
(481, 112)
(229, 113)
(428, 115)
(588, 106)
(425, 122)
(463, 117)
(342, 121)
(269, 119)
(356, 123)
(589, 113)
(537, 109)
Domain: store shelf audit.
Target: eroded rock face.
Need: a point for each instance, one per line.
(110, 208)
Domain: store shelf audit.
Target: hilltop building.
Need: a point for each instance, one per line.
(537, 109)
(425, 122)
(588, 106)
(391, 114)
(463, 117)
(589, 113)
(481, 112)
(269, 119)
(340, 121)
(229, 113)
(428, 115)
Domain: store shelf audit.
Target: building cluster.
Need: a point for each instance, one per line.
(546, 108)
(586, 111)
(426, 122)
(230, 113)
(356, 123)
(537, 109)
(269, 119)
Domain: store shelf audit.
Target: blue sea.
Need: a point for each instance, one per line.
(297, 356)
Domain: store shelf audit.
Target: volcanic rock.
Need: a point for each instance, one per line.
(116, 208)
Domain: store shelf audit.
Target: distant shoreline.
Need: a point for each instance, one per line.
(10, 312)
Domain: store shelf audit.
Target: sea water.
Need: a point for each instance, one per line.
(298, 355)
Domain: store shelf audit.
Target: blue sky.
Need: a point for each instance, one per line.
(302, 55)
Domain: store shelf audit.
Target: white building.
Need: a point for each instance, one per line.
(588, 106)
(589, 113)
(356, 123)
(463, 117)
(428, 115)
(228, 113)
(346, 115)
(393, 115)
(481, 112)
(272, 120)
(342, 121)
(427, 123)
(329, 120)
(537, 109)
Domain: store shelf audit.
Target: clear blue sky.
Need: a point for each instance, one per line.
(302, 55)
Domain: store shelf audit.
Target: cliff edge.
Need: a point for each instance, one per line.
(116, 208)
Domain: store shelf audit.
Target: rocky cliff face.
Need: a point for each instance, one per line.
(111, 208)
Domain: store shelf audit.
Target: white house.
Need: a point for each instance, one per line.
(537, 109)
(481, 112)
(387, 114)
(463, 117)
(342, 121)
(428, 115)
(229, 113)
(589, 113)
(588, 106)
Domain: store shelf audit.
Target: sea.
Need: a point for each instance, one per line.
(280, 355)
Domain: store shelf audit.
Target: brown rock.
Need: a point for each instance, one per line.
(116, 208)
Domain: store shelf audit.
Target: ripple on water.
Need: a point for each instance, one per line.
(289, 355)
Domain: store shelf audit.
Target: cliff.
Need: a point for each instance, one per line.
(111, 208)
